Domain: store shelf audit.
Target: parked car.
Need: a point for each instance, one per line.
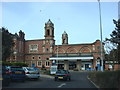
(31, 73)
(16, 73)
(37, 69)
(5, 76)
(62, 75)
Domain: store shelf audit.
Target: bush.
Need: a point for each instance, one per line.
(6, 63)
(107, 79)
(14, 64)
(75, 69)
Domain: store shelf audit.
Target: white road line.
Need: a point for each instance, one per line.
(92, 82)
(61, 85)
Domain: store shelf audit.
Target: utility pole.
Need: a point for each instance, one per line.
(101, 44)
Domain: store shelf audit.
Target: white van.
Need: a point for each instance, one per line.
(53, 69)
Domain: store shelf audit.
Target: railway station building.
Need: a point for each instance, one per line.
(44, 52)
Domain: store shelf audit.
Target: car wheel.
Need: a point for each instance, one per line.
(69, 79)
(37, 78)
(55, 79)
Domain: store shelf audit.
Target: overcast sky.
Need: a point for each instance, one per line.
(79, 19)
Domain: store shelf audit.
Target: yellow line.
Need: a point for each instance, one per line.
(1, 79)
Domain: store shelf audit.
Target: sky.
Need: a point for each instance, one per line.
(80, 20)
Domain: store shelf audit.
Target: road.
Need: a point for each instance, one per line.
(78, 80)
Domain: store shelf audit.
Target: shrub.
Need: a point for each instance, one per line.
(15, 64)
(6, 63)
(75, 69)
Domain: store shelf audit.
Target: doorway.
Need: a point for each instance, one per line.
(72, 65)
(86, 66)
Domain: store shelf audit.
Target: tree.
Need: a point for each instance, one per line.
(7, 43)
(115, 37)
(115, 40)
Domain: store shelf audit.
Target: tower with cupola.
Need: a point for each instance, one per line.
(64, 38)
(49, 30)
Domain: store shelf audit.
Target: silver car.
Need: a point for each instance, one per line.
(31, 73)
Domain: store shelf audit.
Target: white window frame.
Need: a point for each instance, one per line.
(38, 63)
(51, 49)
(47, 63)
(43, 49)
(33, 49)
(32, 57)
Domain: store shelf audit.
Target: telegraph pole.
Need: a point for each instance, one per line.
(101, 44)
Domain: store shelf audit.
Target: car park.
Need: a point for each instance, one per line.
(5, 76)
(62, 75)
(31, 73)
(16, 73)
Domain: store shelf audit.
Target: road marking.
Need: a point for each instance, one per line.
(61, 85)
(92, 82)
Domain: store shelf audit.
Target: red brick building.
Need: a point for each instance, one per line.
(42, 52)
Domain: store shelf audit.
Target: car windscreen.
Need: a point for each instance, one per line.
(61, 72)
(30, 69)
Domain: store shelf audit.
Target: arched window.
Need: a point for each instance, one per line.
(63, 40)
(48, 32)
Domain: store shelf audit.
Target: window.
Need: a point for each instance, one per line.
(33, 48)
(63, 41)
(51, 49)
(14, 57)
(33, 57)
(47, 63)
(98, 47)
(48, 32)
(39, 63)
(47, 49)
(93, 47)
(43, 49)
(39, 58)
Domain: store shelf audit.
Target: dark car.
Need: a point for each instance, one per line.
(5, 76)
(62, 75)
(16, 73)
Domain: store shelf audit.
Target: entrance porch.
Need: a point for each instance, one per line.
(71, 63)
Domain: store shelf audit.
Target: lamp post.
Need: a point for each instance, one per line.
(57, 56)
(101, 44)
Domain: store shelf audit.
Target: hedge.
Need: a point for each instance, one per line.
(15, 64)
(106, 79)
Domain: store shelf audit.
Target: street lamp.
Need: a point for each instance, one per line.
(101, 44)
(57, 56)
